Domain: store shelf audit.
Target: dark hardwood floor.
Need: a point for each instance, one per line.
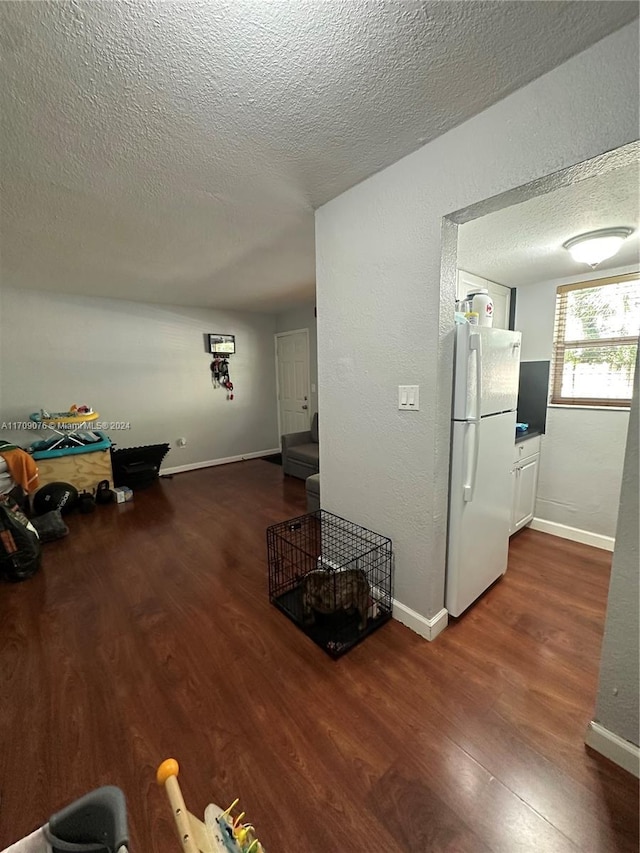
(148, 634)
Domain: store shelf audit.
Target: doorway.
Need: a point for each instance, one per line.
(580, 446)
(565, 482)
(293, 380)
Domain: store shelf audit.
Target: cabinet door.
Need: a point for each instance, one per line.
(501, 296)
(525, 491)
(468, 281)
(514, 499)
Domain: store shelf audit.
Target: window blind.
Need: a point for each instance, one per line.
(595, 341)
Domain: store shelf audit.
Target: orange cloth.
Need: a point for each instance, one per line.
(22, 468)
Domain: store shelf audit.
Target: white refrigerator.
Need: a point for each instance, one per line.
(485, 397)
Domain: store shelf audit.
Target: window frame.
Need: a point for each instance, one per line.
(560, 346)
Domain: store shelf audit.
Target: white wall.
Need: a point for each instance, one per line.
(140, 363)
(583, 450)
(378, 297)
(617, 705)
(304, 317)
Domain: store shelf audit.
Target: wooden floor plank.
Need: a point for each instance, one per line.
(148, 633)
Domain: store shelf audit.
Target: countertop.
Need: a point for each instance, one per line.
(530, 433)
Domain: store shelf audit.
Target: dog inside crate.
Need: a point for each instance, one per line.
(331, 577)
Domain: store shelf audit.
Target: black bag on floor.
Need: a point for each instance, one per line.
(19, 543)
(50, 526)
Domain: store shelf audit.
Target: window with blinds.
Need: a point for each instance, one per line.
(596, 341)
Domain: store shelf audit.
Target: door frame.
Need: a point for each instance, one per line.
(275, 346)
(598, 165)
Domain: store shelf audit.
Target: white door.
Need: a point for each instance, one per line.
(479, 508)
(292, 359)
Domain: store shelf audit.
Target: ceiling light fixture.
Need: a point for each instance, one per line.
(596, 246)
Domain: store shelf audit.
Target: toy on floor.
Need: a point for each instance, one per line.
(220, 832)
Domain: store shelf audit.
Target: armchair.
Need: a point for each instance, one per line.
(301, 451)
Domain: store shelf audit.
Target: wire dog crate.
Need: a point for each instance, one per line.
(331, 577)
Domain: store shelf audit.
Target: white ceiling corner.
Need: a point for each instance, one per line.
(175, 152)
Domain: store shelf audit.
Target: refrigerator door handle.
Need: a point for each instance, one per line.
(475, 345)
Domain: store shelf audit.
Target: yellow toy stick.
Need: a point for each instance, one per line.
(167, 775)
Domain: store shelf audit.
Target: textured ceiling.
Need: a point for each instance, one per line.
(174, 152)
(522, 244)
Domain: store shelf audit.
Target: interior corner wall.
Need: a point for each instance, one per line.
(617, 703)
(582, 455)
(378, 296)
(304, 317)
(1, 335)
(139, 364)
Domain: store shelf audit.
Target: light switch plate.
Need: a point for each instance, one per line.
(409, 398)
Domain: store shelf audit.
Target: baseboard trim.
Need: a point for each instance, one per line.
(210, 463)
(574, 533)
(427, 628)
(622, 752)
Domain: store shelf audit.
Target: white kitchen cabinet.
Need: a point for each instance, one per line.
(500, 295)
(524, 477)
(524, 502)
(468, 281)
